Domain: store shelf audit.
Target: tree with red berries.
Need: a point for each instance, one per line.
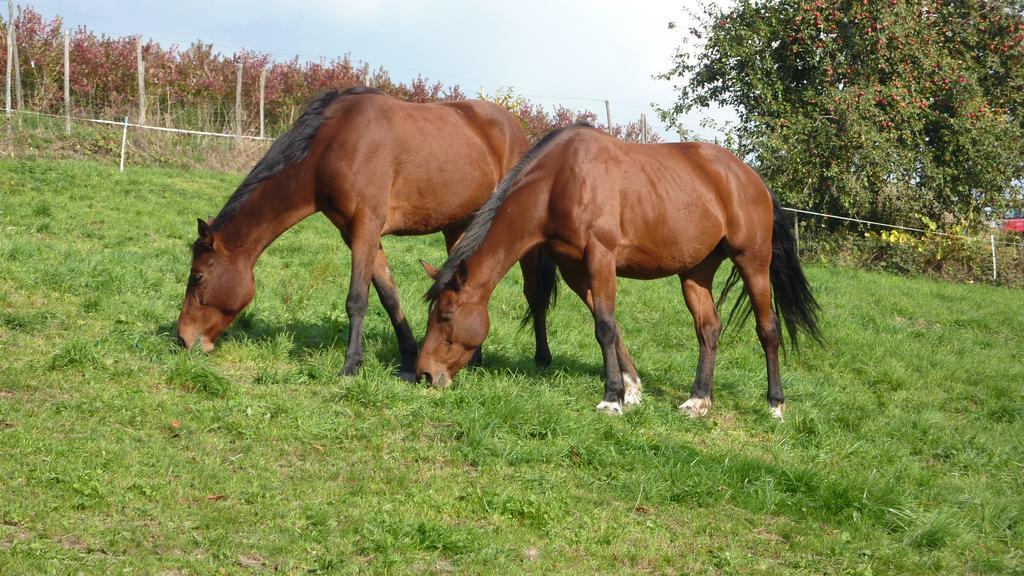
(885, 109)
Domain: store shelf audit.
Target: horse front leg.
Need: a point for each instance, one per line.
(600, 265)
(630, 376)
(384, 284)
(580, 281)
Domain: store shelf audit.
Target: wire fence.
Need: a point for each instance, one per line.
(243, 118)
(994, 257)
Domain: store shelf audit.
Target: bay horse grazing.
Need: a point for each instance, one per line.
(604, 208)
(373, 165)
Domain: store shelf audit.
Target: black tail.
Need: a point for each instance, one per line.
(795, 305)
(547, 280)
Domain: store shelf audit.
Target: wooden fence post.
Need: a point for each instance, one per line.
(608, 115)
(142, 80)
(238, 102)
(67, 81)
(10, 56)
(643, 127)
(263, 85)
(12, 26)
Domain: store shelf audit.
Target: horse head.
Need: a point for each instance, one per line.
(219, 286)
(456, 327)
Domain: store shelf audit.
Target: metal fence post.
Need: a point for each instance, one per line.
(124, 141)
(796, 234)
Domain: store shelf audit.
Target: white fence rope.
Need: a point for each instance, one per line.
(145, 126)
(907, 228)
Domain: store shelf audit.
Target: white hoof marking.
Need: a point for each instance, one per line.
(696, 407)
(777, 411)
(633, 390)
(613, 408)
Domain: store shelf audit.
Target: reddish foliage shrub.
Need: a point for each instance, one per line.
(195, 88)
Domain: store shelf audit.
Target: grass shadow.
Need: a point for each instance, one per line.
(655, 384)
(330, 334)
(308, 336)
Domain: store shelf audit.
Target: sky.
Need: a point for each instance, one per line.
(576, 53)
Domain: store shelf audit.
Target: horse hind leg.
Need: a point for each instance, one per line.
(364, 242)
(384, 284)
(757, 280)
(538, 284)
(699, 300)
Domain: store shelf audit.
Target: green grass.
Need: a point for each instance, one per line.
(902, 451)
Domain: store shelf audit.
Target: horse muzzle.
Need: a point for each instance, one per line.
(198, 341)
(441, 380)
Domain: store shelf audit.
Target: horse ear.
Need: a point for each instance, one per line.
(205, 233)
(429, 269)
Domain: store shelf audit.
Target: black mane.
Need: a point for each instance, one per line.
(474, 235)
(289, 148)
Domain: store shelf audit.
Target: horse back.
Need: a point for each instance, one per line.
(662, 207)
(419, 167)
(497, 127)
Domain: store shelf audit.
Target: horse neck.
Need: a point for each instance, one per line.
(271, 208)
(518, 226)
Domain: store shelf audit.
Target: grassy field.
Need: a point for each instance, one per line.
(902, 451)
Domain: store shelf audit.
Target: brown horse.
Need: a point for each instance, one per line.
(604, 208)
(373, 165)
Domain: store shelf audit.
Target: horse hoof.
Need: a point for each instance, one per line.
(350, 370)
(696, 407)
(777, 412)
(633, 390)
(406, 375)
(610, 408)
